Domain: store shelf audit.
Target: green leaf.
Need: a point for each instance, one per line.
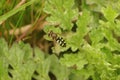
(74, 59)
(43, 67)
(62, 13)
(108, 54)
(94, 35)
(3, 50)
(57, 49)
(74, 41)
(109, 13)
(117, 28)
(82, 23)
(39, 55)
(61, 72)
(27, 71)
(112, 42)
(4, 69)
(27, 50)
(15, 56)
(24, 72)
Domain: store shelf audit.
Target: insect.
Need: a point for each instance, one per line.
(56, 38)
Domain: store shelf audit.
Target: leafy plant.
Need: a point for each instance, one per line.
(18, 63)
(90, 28)
(93, 48)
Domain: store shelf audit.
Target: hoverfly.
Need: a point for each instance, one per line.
(56, 38)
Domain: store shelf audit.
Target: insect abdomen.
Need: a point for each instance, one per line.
(61, 41)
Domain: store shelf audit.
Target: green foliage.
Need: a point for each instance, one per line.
(112, 13)
(93, 49)
(91, 30)
(20, 63)
(14, 11)
(63, 12)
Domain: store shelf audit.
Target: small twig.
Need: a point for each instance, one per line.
(38, 26)
(19, 30)
(1, 22)
(20, 3)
